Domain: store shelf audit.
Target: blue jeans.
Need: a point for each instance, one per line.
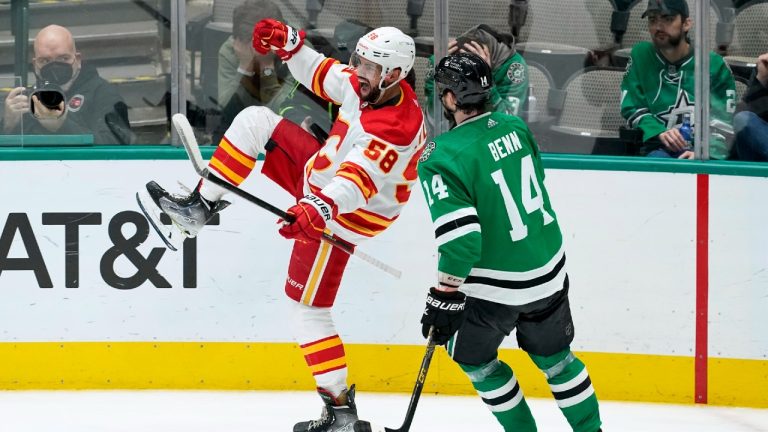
(751, 137)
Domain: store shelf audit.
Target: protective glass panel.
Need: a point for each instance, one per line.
(97, 77)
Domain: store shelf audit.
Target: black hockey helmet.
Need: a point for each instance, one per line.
(466, 75)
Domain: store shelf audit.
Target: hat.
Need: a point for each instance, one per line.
(667, 7)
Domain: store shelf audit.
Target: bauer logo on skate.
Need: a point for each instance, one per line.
(120, 263)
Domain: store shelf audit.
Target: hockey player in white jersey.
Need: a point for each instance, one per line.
(353, 185)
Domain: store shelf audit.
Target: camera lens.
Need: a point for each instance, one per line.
(51, 99)
(49, 94)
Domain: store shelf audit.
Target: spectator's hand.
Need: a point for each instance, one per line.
(479, 50)
(271, 34)
(51, 119)
(672, 140)
(762, 69)
(245, 54)
(16, 104)
(687, 155)
(452, 45)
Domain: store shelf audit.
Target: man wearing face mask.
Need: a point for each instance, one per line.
(91, 105)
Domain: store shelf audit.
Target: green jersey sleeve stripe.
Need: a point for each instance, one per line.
(456, 214)
(514, 297)
(457, 232)
(517, 284)
(541, 274)
(455, 224)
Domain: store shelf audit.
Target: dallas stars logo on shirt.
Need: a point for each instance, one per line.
(673, 116)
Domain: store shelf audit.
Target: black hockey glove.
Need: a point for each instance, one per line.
(445, 311)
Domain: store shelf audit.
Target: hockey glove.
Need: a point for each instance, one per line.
(445, 311)
(271, 34)
(311, 214)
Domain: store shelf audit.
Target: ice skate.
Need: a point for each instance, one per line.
(339, 414)
(188, 214)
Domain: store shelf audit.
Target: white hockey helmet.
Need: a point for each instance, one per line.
(388, 47)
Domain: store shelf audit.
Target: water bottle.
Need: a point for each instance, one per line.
(686, 130)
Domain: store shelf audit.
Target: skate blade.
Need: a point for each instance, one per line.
(170, 235)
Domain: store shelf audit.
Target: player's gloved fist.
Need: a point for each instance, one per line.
(444, 311)
(271, 34)
(311, 214)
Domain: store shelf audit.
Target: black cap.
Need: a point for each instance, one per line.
(667, 7)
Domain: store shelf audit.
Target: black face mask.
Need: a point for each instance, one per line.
(56, 72)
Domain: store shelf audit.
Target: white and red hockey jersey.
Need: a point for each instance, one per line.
(369, 162)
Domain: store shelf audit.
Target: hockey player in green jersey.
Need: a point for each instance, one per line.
(658, 87)
(501, 261)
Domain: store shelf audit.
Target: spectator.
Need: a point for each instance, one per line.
(91, 105)
(751, 121)
(510, 72)
(658, 87)
(247, 78)
(252, 77)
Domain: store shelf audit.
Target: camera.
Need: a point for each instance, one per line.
(49, 94)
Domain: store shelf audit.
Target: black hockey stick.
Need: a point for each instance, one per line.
(187, 136)
(364, 426)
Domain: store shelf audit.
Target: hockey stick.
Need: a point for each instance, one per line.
(364, 426)
(187, 136)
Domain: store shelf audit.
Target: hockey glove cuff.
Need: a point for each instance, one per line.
(311, 214)
(271, 34)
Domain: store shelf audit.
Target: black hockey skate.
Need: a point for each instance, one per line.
(339, 414)
(188, 214)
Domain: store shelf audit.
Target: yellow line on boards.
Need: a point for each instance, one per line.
(379, 368)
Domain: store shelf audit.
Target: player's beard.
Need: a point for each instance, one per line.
(373, 92)
(448, 115)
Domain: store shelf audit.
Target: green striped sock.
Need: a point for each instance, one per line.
(570, 384)
(497, 386)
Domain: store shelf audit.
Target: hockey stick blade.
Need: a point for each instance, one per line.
(188, 140)
(187, 136)
(364, 426)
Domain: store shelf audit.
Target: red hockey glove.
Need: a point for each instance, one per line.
(311, 214)
(271, 34)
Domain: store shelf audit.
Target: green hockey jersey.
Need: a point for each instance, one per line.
(494, 224)
(656, 93)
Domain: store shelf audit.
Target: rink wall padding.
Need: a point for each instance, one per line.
(667, 261)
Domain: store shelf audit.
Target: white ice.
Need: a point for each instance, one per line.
(253, 411)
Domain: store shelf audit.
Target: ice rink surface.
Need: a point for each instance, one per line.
(253, 411)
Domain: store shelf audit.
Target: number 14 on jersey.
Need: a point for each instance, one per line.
(530, 197)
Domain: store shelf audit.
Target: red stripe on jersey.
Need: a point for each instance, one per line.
(396, 124)
(357, 175)
(364, 222)
(319, 77)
